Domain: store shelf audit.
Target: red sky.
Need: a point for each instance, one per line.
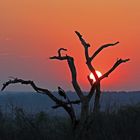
(32, 30)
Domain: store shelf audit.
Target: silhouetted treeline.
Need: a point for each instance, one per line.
(122, 124)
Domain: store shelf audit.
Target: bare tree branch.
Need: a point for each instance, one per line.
(59, 58)
(71, 102)
(101, 48)
(117, 63)
(70, 61)
(90, 80)
(84, 43)
(59, 51)
(88, 61)
(90, 66)
(59, 102)
(94, 85)
(92, 90)
(32, 84)
(16, 80)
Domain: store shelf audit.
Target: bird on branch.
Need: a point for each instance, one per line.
(61, 92)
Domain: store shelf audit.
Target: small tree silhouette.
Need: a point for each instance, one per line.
(67, 104)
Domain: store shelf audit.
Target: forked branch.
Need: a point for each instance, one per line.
(91, 67)
(88, 59)
(58, 102)
(70, 61)
(117, 63)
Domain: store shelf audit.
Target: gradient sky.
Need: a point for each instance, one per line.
(32, 30)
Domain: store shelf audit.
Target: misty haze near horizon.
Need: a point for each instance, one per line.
(32, 102)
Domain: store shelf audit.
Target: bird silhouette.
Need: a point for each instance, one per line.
(61, 92)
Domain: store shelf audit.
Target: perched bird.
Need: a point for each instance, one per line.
(61, 92)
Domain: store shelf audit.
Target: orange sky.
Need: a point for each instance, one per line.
(32, 30)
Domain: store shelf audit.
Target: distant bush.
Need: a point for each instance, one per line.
(123, 124)
(40, 126)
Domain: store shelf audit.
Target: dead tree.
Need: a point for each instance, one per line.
(83, 99)
(95, 87)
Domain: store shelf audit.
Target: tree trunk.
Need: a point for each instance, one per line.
(84, 110)
(80, 128)
(96, 107)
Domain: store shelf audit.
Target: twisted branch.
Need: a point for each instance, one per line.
(70, 61)
(58, 102)
(59, 51)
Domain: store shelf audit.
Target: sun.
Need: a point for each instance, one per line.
(99, 74)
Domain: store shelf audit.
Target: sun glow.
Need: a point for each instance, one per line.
(99, 74)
